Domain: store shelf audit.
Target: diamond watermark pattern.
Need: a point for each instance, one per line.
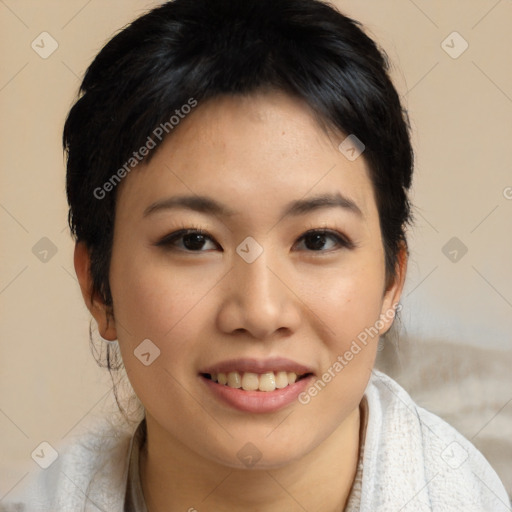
(249, 455)
(454, 455)
(351, 147)
(44, 45)
(249, 250)
(454, 249)
(454, 45)
(146, 352)
(44, 250)
(44, 455)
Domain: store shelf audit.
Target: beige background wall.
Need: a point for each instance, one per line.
(461, 110)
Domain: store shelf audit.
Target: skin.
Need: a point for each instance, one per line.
(254, 155)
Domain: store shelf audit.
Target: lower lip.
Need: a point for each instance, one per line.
(257, 401)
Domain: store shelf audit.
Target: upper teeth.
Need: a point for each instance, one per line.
(253, 381)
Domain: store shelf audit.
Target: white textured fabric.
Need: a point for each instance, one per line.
(89, 475)
(413, 461)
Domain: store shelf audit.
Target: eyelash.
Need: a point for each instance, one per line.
(169, 241)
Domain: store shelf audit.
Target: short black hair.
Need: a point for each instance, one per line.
(202, 49)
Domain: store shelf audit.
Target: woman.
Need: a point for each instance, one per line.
(237, 177)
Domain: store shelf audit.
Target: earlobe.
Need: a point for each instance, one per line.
(99, 310)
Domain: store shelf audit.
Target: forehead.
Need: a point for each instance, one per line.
(250, 152)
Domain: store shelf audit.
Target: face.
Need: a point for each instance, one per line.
(249, 245)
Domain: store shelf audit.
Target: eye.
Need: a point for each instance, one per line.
(189, 240)
(324, 240)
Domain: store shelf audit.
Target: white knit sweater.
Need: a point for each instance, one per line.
(413, 462)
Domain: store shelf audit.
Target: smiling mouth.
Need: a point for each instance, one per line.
(248, 381)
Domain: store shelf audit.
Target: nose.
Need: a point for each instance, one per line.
(258, 300)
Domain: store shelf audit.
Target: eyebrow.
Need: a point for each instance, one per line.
(204, 204)
(302, 206)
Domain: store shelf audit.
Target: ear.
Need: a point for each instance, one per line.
(394, 291)
(99, 310)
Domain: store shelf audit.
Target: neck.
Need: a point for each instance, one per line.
(175, 478)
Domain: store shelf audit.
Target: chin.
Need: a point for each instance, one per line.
(259, 454)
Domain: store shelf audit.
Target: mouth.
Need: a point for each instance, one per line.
(250, 381)
(256, 385)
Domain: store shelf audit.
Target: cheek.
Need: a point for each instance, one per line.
(152, 298)
(163, 304)
(348, 307)
(155, 302)
(347, 300)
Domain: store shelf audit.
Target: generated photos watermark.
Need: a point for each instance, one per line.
(343, 360)
(158, 133)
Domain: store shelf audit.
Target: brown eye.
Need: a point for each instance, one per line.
(194, 241)
(190, 240)
(324, 240)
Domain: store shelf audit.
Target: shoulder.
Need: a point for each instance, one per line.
(90, 469)
(414, 459)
